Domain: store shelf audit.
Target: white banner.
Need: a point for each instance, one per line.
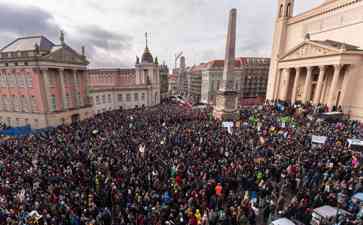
(318, 139)
(356, 142)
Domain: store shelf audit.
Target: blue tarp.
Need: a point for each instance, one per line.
(17, 131)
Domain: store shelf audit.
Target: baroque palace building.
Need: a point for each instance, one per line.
(42, 84)
(317, 56)
(127, 88)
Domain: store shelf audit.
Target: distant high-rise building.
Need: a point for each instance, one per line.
(182, 79)
(164, 82)
(172, 90)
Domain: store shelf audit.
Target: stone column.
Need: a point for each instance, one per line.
(319, 87)
(286, 82)
(85, 99)
(346, 82)
(296, 83)
(45, 90)
(226, 99)
(307, 85)
(277, 85)
(63, 89)
(76, 89)
(333, 87)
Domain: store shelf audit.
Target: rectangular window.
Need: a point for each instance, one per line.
(98, 100)
(142, 96)
(15, 80)
(53, 105)
(2, 83)
(68, 100)
(109, 98)
(23, 106)
(120, 97)
(21, 80)
(12, 103)
(128, 97)
(52, 79)
(104, 99)
(78, 97)
(2, 103)
(136, 96)
(34, 104)
(29, 80)
(9, 79)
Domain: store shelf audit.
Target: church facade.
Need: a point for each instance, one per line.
(317, 56)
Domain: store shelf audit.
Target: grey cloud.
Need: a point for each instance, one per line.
(97, 39)
(197, 27)
(25, 21)
(20, 20)
(105, 39)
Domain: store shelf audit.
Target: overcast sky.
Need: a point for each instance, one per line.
(113, 30)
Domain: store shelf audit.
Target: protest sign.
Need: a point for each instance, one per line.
(228, 125)
(318, 139)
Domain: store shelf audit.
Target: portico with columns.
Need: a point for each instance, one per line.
(316, 72)
(49, 83)
(67, 86)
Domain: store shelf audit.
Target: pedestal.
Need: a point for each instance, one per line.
(226, 106)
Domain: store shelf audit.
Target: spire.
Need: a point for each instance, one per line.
(83, 51)
(147, 57)
(156, 60)
(146, 40)
(61, 37)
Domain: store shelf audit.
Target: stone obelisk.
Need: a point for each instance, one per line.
(227, 95)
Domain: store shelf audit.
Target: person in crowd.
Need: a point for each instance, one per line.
(173, 165)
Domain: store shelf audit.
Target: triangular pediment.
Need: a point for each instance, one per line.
(309, 49)
(65, 54)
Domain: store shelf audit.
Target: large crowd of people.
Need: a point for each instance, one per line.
(172, 165)
(3, 126)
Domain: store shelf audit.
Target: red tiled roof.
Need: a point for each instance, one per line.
(172, 77)
(220, 63)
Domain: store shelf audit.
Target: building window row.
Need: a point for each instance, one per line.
(18, 122)
(16, 80)
(101, 99)
(18, 103)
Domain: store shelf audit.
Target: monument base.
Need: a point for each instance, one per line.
(226, 116)
(226, 106)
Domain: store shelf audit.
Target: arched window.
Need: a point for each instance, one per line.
(288, 8)
(281, 10)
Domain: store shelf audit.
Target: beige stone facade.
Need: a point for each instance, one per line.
(317, 56)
